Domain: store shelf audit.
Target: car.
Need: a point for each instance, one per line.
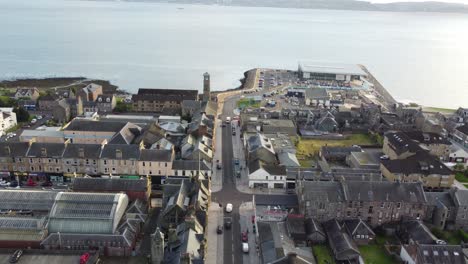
(384, 157)
(4, 183)
(228, 207)
(84, 258)
(233, 133)
(14, 184)
(31, 183)
(244, 237)
(39, 117)
(16, 256)
(228, 223)
(219, 229)
(236, 162)
(253, 219)
(34, 121)
(223, 125)
(245, 247)
(218, 166)
(47, 184)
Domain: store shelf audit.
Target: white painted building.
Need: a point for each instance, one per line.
(266, 176)
(7, 119)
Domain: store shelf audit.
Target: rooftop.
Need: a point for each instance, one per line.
(331, 68)
(88, 125)
(420, 163)
(110, 185)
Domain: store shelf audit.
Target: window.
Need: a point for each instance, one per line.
(321, 205)
(165, 164)
(348, 213)
(275, 178)
(382, 205)
(150, 172)
(350, 204)
(105, 162)
(371, 209)
(398, 205)
(266, 177)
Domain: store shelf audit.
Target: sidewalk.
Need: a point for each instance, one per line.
(215, 247)
(217, 175)
(245, 218)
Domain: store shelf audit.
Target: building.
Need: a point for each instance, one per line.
(190, 107)
(47, 102)
(105, 103)
(81, 159)
(284, 126)
(363, 160)
(206, 87)
(96, 132)
(315, 232)
(343, 247)
(61, 111)
(133, 188)
(375, 202)
(13, 159)
(458, 155)
(460, 135)
(90, 93)
(94, 213)
(260, 147)
(432, 254)
(316, 97)
(45, 161)
(189, 168)
(119, 159)
(155, 162)
(415, 231)
(43, 134)
(399, 146)
(359, 231)
(27, 93)
(332, 73)
(421, 167)
(263, 175)
(7, 119)
(434, 143)
(161, 100)
(327, 123)
(337, 154)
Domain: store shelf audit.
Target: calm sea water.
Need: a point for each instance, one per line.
(418, 57)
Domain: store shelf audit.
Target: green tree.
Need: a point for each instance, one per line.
(6, 101)
(21, 114)
(122, 107)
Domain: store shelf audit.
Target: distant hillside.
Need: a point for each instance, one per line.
(329, 4)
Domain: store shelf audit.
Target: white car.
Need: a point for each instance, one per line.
(245, 247)
(228, 207)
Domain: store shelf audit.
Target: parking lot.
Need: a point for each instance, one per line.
(39, 121)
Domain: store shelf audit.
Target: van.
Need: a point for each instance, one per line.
(245, 247)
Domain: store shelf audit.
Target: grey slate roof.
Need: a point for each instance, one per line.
(439, 254)
(112, 185)
(87, 125)
(128, 151)
(354, 224)
(460, 197)
(402, 143)
(421, 163)
(434, 198)
(342, 245)
(463, 129)
(313, 226)
(317, 93)
(190, 165)
(418, 232)
(91, 151)
(160, 155)
(52, 150)
(13, 149)
(281, 200)
(427, 138)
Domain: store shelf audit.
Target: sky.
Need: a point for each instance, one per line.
(392, 1)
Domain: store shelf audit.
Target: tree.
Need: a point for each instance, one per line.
(122, 107)
(21, 114)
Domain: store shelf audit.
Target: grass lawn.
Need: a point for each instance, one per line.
(375, 254)
(454, 237)
(246, 102)
(459, 176)
(311, 147)
(322, 254)
(441, 110)
(466, 185)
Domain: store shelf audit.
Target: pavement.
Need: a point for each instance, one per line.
(246, 212)
(215, 241)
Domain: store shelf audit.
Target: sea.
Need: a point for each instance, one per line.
(418, 57)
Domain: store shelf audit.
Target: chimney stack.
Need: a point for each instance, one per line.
(118, 153)
(43, 152)
(81, 153)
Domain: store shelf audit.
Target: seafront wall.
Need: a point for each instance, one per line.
(389, 100)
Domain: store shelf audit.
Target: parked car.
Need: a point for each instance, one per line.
(31, 183)
(47, 184)
(16, 256)
(34, 121)
(384, 157)
(14, 184)
(84, 258)
(236, 162)
(4, 183)
(218, 166)
(228, 207)
(219, 229)
(227, 223)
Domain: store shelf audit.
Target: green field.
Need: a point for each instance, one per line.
(459, 176)
(440, 110)
(322, 254)
(375, 254)
(308, 148)
(246, 102)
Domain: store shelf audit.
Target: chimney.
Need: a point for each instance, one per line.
(8, 150)
(118, 153)
(81, 152)
(43, 152)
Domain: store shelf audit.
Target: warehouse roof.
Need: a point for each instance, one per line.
(88, 125)
(26, 200)
(331, 68)
(110, 185)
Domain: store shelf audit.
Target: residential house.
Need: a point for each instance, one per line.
(185, 244)
(260, 147)
(436, 144)
(27, 93)
(415, 231)
(359, 231)
(90, 93)
(97, 132)
(442, 210)
(119, 159)
(421, 167)
(45, 159)
(460, 199)
(7, 119)
(284, 126)
(105, 103)
(315, 232)
(47, 102)
(343, 247)
(198, 150)
(61, 111)
(327, 123)
(201, 125)
(432, 254)
(189, 168)
(375, 202)
(13, 159)
(161, 100)
(398, 145)
(81, 159)
(460, 135)
(263, 175)
(155, 162)
(458, 155)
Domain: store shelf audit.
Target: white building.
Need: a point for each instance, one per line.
(330, 71)
(7, 119)
(266, 176)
